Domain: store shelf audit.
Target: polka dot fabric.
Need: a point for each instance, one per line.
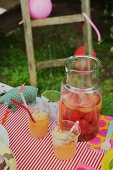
(30, 94)
(99, 139)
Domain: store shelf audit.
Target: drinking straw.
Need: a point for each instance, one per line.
(60, 114)
(20, 90)
(75, 126)
(25, 108)
(5, 117)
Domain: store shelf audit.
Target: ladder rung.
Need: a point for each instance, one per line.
(57, 20)
(50, 63)
(9, 4)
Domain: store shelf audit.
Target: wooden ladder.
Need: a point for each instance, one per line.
(29, 24)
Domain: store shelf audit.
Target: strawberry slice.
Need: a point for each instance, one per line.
(69, 114)
(89, 116)
(90, 129)
(71, 100)
(95, 119)
(83, 125)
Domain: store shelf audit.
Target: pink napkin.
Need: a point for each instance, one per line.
(82, 166)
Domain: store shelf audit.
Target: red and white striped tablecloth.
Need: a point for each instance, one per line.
(34, 154)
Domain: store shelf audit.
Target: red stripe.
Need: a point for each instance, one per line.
(96, 160)
(43, 154)
(89, 156)
(53, 160)
(68, 164)
(98, 164)
(92, 160)
(34, 154)
(76, 158)
(30, 145)
(80, 155)
(33, 151)
(43, 162)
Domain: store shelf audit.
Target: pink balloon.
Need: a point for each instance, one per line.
(40, 8)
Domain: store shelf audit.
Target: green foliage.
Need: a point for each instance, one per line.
(108, 13)
(107, 95)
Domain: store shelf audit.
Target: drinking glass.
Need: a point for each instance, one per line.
(64, 144)
(39, 128)
(50, 100)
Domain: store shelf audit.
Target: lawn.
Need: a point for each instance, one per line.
(51, 43)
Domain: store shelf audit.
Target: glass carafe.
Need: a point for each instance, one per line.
(80, 94)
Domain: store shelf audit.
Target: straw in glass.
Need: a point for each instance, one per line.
(20, 90)
(75, 126)
(23, 107)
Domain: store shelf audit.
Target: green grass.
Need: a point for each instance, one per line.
(57, 42)
(14, 70)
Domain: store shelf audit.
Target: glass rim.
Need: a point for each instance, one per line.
(57, 125)
(43, 96)
(67, 138)
(55, 91)
(34, 110)
(74, 57)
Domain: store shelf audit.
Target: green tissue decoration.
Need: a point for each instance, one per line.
(30, 93)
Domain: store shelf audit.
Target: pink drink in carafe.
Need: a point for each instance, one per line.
(80, 94)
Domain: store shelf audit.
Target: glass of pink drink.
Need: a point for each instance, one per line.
(80, 94)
